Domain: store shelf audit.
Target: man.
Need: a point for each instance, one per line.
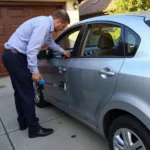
(20, 59)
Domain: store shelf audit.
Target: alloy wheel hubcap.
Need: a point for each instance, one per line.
(125, 139)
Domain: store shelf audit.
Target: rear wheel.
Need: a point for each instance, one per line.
(39, 97)
(127, 133)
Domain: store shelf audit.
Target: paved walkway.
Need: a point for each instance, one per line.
(69, 133)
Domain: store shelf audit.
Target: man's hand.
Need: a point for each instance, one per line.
(36, 77)
(66, 53)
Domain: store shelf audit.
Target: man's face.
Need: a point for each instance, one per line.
(59, 25)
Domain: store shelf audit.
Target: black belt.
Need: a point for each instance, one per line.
(13, 51)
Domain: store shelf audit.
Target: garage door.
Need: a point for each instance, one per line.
(13, 14)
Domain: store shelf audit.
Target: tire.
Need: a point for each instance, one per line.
(128, 124)
(39, 97)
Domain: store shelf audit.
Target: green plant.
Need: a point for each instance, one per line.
(122, 6)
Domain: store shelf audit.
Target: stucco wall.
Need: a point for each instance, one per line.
(74, 14)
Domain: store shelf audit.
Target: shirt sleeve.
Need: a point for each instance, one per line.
(52, 45)
(34, 46)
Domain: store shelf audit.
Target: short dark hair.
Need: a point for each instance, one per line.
(61, 14)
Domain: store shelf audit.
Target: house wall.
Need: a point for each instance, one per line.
(15, 12)
(74, 14)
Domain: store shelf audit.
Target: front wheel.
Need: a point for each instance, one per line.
(128, 133)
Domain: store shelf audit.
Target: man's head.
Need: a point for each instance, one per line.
(61, 20)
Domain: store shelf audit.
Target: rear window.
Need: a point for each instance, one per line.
(132, 42)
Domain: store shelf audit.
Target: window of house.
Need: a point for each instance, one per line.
(132, 42)
(102, 40)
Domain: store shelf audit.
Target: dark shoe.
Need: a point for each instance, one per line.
(22, 128)
(41, 132)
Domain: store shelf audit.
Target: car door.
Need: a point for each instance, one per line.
(92, 77)
(54, 68)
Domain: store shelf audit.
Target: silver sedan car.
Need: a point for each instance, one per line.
(106, 82)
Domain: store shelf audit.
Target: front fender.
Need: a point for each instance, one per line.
(134, 105)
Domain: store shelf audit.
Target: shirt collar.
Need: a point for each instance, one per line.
(51, 24)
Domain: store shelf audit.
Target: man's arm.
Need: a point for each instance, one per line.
(53, 46)
(34, 45)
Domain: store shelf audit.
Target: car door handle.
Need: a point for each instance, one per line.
(107, 73)
(62, 69)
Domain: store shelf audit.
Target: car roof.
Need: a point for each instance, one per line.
(136, 13)
(121, 18)
(134, 20)
(142, 14)
(117, 17)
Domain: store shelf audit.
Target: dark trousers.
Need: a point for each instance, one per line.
(16, 65)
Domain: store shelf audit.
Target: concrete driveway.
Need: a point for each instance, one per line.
(69, 134)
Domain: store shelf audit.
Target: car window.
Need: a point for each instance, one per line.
(102, 40)
(114, 31)
(132, 41)
(68, 41)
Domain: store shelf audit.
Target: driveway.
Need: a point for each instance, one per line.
(69, 134)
